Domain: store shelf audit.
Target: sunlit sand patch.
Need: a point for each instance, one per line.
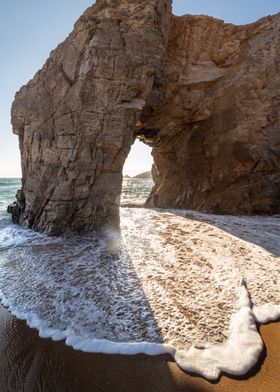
(254, 243)
(192, 300)
(168, 281)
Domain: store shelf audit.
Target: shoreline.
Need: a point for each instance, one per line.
(31, 363)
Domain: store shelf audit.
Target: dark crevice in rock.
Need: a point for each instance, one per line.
(151, 137)
(66, 77)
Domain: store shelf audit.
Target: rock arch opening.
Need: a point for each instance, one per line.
(137, 176)
(139, 159)
(205, 103)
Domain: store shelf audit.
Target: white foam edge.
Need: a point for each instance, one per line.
(266, 313)
(236, 356)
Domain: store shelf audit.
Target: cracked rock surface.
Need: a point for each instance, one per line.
(75, 118)
(220, 120)
(202, 93)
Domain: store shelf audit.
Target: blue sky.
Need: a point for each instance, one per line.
(30, 29)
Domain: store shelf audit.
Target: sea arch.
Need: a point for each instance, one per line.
(204, 94)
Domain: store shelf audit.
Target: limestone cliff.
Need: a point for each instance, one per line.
(75, 119)
(218, 141)
(204, 94)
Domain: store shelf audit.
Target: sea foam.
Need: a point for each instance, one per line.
(171, 285)
(236, 356)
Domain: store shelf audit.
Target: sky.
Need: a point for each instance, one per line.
(30, 29)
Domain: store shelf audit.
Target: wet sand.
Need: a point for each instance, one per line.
(31, 364)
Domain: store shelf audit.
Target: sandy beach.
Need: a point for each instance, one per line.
(29, 363)
(140, 205)
(192, 281)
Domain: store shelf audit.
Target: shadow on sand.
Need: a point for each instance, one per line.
(263, 231)
(30, 364)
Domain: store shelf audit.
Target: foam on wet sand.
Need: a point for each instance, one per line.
(169, 282)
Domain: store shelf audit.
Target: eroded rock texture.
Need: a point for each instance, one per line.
(75, 119)
(219, 148)
(204, 94)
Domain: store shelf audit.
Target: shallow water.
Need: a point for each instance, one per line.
(8, 188)
(135, 191)
(167, 277)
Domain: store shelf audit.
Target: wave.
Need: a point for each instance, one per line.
(167, 282)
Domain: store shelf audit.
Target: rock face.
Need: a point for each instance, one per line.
(76, 118)
(204, 94)
(219, 125)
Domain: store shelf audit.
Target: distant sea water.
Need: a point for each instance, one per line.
(169, 281)
(135, 191)
(8, 189)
